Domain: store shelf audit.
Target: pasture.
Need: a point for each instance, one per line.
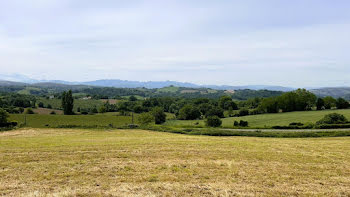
(42, 120)
(76, 162)
(266, 120)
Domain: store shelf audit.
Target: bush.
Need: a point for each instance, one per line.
(146, 118)
(53, 113)
(29, 111)
(296, 124)
(213, 121)
(333, 118)
(332, 126)
(243, 123)
(49, 106)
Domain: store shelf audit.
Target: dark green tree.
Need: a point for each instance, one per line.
(189, 112)
(3, 116)
(329, 102)
(226, 102)
(320, 104)
(159, 115)
(67, 103)
(342, 103)
(213, 121)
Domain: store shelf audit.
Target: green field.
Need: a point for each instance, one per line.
(101, 120)
(77, 162)
(83, 104)
(267, 120)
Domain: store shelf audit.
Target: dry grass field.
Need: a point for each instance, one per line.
(72, 162)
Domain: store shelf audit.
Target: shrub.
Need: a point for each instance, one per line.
(333, 118)
(146, 118)
(213, 121)
(49, 106)
(296, 124)
(29, 111)
(52, 112)
(236, 123)
(243, 123)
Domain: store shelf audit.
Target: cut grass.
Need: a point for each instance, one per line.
(67, 162)
(266, 120)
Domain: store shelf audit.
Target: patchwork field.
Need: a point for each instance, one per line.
(73, 162)
(268, 120)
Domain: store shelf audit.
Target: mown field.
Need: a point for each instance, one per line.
(73, 162)
(267, 120)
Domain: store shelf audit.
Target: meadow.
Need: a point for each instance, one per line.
(266, 120)
(101, 120)
(76, 162)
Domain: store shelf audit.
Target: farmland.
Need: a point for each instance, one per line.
(266, 120)
(73, 162)
(78, 103)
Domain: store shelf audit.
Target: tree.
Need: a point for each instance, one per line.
(29, 111)
(102, 109)
(268, 105)
(333, 118)
(320, 104)
(243, 112)
(146, 118)
(225, 102)
(215, 111)
(329, 102)
(342, 103)
(3, 116)
(189, 112)
(159, 115)
(67, 103)
(132, 98)
(213, 121)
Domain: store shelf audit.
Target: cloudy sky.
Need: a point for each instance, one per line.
(273, 42)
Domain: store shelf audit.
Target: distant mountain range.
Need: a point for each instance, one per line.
(139, 84)
(20, 80)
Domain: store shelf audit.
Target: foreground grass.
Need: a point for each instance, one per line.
(267, 120)
(66, 162)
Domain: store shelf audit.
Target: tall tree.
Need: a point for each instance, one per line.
(67, 103)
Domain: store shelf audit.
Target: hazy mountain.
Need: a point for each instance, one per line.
(333, 91)
(138, 84)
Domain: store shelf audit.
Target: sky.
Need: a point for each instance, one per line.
(272, 42)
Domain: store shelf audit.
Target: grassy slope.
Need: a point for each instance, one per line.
(75, 162)
(268, 119)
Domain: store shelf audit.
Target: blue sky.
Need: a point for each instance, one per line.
(291, 43)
